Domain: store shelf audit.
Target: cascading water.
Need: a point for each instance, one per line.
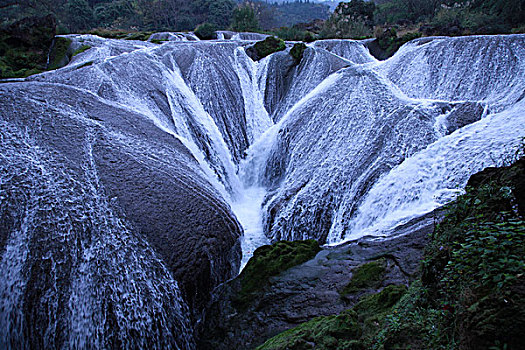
(142, 159)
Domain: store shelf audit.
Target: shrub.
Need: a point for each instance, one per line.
(266, 47)
(297, 52)
(206, 31)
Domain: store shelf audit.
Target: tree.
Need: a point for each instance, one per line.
(79, 15)
(245, 19)
(220, 12)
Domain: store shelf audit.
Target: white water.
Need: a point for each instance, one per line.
(436, 175)
(358, 147)
(248, 211)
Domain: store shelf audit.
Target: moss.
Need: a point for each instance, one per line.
(471, 294)
(387, 43)
(142, 36)
(87, 64)
(297, 52)
(158, 41)
(369, 275)
(271, 260)
(81, 49)
(266, 47)
(59, 53)
(348, 330)
(327, 332)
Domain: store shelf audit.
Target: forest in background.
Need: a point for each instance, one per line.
(156, 15)
(27, 27)
(354, 19)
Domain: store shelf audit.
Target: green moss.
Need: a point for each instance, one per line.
(471, 292)
(327, 332)
(297, 52)
(142, 36)
(87, 64)
(268, 46)
(81, 49)
(59, 53)
(158, 41)
(369, 275)
(271, 260)
(348, 330)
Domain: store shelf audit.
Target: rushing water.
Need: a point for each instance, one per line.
(123, 179)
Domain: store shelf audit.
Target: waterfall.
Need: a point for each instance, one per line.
(124, 182)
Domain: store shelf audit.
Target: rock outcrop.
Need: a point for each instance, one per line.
(318, 287)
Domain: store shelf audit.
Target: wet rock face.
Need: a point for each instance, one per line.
(111, 236)
(315, 288)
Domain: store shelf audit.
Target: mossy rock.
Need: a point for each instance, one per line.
(265, 48)
(350, 330)
(158, 41)
(87, 64)
(380, 302)
(271, 260)
(120, 34)
(366, 276)
(60, 54)
(297, 52)
(81, 49)
(325, 332)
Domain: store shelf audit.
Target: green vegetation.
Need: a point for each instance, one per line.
(471, 293)
(130, 15)
(348, 330)
(59, 54)
(353, 19)
(81, 49)
(266, 47)
(294, 34)
(245, 19)
(297, 52)
(24, 46)
(271, 260)
(366, 276)
(206, 31)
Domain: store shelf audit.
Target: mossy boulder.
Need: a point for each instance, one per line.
(366, 276)
(387, 43)
(120, 34)
(81, 49)
(271, 260)
(348, 330)
(297, 52)
(265, 48)
(60, 54)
